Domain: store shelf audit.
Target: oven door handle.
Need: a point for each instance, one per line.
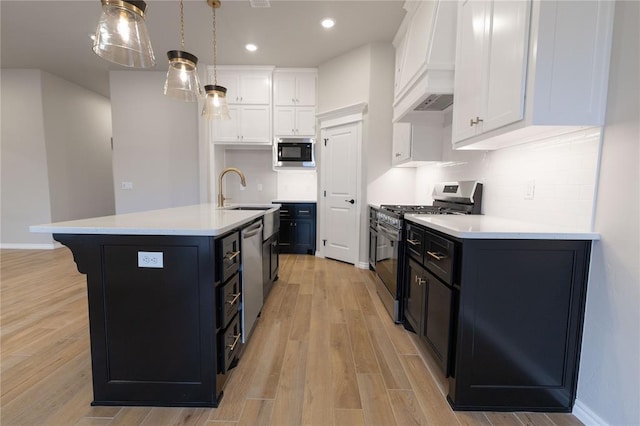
(392, 234)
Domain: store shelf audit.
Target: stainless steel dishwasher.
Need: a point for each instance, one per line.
(251, 277)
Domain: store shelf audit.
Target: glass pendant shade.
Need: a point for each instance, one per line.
(215, 105)
(122, 35)
(182, 81)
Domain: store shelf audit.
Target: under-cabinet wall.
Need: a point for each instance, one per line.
(561, 171)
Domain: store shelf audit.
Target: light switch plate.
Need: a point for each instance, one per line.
(530, 190)
(150, 259)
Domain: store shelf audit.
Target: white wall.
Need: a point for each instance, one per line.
(260, 177)
(77, 126)
(563, 169)
(24, 180)
(56, 155)
(366, 75)
(297, 185)
(155, 144)
(609, 381)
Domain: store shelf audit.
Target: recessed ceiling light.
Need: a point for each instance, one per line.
(251, 47)
(328, 22)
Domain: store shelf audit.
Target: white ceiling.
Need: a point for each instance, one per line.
(53, 35)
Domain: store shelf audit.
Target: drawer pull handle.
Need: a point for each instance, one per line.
(413, 242)
(235, 342)
(233, 255)
(436, 255)
(235, 298)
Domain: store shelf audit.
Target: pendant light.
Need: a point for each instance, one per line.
(182, 78)
(121, 36)
(215, 104)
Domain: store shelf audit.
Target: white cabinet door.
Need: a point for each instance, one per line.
(401, 142)
(306, 90)
(306, 121)
(284, 89)
(254, 124)
(291, 89)
(491, 60)
(255, 88)
(226, 131)
(473, 17)
(284, 121)
(294, 121)
(231, 81)
(507, 65)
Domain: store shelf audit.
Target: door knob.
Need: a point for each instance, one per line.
(351, 201)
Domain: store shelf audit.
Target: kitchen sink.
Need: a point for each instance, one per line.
(271, 220)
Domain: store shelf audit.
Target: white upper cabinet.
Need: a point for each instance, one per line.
(294, 94)
(417, 144)
(295, 88)
(246, 86)
(294, 121)
(250, 105)
(527, 70)
(249, 125)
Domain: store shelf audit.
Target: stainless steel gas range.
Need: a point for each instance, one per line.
(387, 241)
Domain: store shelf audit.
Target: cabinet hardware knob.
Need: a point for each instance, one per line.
(471, 122)
(477, 120)
(397, 154)
(235, 299)
(351, 201)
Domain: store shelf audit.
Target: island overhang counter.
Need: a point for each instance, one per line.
(163, 289)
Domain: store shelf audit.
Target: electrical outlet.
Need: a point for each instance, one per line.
(530, 189)
(150, 259)
(127, 185)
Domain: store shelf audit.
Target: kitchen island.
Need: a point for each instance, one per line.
(500, 305)
(163, 292)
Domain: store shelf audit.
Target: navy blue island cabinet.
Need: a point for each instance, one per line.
(160, 336)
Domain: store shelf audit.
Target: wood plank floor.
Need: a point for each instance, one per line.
(324, 352)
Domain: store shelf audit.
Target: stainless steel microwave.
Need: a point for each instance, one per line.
(294, 152)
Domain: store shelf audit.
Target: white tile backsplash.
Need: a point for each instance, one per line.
(564, 170)
(297, 185)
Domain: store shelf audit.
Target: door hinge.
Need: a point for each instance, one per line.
(324, 242)
(325, 141)
(325, 194)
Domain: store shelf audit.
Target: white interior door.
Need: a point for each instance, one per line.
(340, 169)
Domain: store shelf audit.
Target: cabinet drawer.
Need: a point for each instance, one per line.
(305, 211)
(286, 211)
(229, 345)
(415, 242)
(228, 256)
(439, 256)
(228, 300)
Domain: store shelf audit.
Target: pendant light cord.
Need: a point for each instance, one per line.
(215, 49)
(182, 24)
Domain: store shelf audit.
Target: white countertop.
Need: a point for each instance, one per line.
(196, 220)
(292, 201)
(485, 227)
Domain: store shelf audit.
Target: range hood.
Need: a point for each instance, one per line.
(425, 56)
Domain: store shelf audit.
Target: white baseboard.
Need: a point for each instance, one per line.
(362, 265)
(586, 416)
(17, 246)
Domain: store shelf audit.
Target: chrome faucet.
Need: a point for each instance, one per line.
(224, 172)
